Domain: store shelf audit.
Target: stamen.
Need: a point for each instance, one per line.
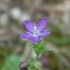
(36, 32)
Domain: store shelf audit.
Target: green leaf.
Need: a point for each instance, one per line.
(12, 63)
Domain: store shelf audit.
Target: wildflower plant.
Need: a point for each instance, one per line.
(35, 33)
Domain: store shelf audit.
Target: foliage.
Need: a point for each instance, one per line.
(11, 62)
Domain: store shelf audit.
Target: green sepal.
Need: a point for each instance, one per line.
(32, 64)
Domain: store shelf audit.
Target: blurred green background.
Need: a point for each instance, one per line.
(13, 50)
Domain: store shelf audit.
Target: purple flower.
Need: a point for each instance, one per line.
(35, 32)
(24, 66)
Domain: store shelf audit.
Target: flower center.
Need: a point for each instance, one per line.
(36, 32)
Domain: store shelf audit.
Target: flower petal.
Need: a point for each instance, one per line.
(26, 35)
(35, 39)
(42, 24)
(45, 32)
(29, 25)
